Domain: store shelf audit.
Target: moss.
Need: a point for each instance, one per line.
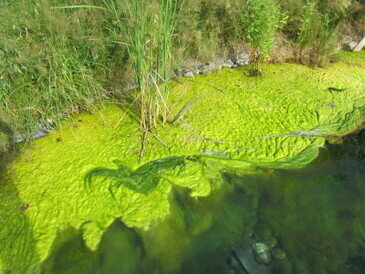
(277, 120)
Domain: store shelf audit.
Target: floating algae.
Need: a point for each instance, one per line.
(311, 219)
(49, 175)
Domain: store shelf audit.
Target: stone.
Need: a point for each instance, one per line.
(230, 61)
(207, 67)
(278, 254)
(45, 126)
(39, 134)
(189, 74)
(19, 138)
(226, 65)
(50, 121)
(205, 71)
(350, 45)
(242, 62)
(262, 253)
(360, 46)
(248, 262)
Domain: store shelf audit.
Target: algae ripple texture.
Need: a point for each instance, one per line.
(277, 120)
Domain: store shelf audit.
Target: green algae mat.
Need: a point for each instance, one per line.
(88, 173)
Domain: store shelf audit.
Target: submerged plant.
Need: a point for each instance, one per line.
(143, 180)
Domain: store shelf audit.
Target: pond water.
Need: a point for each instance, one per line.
(311, 219)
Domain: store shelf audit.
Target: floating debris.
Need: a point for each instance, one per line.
(24, 207)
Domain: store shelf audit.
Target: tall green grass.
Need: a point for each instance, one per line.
(167, 15)
(149, 30)
(49, 65)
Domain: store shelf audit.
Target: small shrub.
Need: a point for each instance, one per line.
(313, 27)
(317, 35)
(260, 20)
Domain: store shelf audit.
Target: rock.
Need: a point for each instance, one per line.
(35, 135)
(248, 262)
(262, 253)
(205, 71)
(207, 68)
(278, 254)
(39, 134)
(45, 126)
(360, 45)
(350, 45)
(242, 62)
(272, 242)
(189, 74)
(49, 121)
(265, 235)
(42, 131)
(19, 138)
(230, 62)
(226, 65)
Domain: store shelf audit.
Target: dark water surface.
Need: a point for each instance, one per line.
(314, 217)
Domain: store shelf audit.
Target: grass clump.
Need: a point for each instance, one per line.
(49, 66)
(148, 30)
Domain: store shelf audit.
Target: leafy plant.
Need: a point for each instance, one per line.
(317, 35)
(260, 20)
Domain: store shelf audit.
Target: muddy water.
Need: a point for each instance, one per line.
(313, 217)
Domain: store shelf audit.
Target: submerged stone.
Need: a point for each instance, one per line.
(261, 253)
(278, 254)
(247, 259)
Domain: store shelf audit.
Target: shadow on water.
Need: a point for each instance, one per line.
(120, 251)
(18, 252)
(314, 216)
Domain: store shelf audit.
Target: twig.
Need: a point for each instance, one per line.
(215, 141)
(158, 139)
(143, 145)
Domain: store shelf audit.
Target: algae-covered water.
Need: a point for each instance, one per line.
(315, 215)
(236, 170)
